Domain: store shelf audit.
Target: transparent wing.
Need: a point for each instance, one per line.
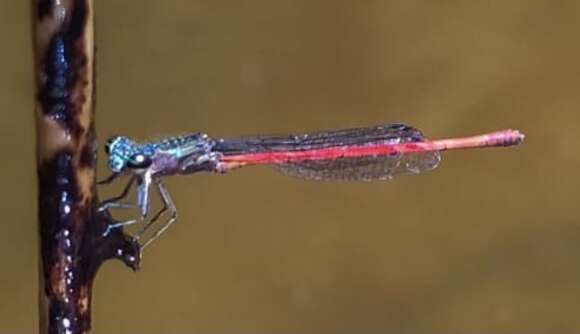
(369, 168)
(307, 155)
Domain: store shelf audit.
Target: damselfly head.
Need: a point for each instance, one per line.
(120, 151)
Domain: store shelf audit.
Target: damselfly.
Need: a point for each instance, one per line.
(366, 154)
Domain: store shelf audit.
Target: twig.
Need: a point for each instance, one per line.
(71, 242)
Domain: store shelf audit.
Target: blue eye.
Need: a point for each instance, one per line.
(139, 161)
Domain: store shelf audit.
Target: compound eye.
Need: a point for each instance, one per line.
(108, 144)
(139, 161)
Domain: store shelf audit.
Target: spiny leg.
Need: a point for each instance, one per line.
(109, 178)
(152, 220)
(168, 205)
(124, 223)
(114, 201)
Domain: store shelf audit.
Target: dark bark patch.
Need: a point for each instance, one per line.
(44, 8)
(88, 158)
(72, 242)
(62, 91)
(78, 20)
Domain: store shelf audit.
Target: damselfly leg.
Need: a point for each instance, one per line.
(116, 225)
(109, 179)
(168, 207)
(142, 204)
(114, 202)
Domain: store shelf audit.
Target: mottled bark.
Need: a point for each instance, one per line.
(71, 229)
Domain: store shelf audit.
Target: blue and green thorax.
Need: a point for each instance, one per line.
(164, 156)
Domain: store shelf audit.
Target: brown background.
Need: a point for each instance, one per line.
(489, 242)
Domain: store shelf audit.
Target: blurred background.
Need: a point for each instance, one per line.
(488, 242)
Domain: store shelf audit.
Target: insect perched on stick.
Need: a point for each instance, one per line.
(360, 154)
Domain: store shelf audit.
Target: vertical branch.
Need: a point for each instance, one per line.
(71, 228)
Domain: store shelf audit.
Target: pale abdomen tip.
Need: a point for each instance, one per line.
(508, 137)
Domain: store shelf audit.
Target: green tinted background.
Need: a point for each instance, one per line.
(488, 242)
